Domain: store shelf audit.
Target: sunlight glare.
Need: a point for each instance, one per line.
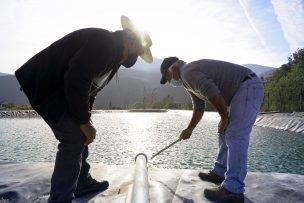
(139, 125)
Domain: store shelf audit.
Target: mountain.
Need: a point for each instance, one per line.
(154, 67)
(131, 85)
(128, 87)
(3, 74)
(143, 66)
(268, 73)
(10, 90)
(260, 70)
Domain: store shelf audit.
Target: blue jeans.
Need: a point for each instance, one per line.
(231, 161)
(71, 166)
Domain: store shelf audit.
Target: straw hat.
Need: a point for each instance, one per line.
(143, 36)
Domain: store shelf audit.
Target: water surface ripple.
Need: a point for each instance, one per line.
(121, 135)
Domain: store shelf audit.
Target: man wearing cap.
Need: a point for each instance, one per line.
(61, 83)
(225, 86)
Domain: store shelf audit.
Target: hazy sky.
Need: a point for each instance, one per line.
(263, 32)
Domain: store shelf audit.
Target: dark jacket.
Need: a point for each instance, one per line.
(61, 76)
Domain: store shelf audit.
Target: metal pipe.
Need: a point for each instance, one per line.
(139, 192)
(170, 145)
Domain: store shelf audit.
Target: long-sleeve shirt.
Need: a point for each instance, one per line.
(206, 78)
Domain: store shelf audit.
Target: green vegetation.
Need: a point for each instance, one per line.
(11, 106)
(166, 103)
(284, 90)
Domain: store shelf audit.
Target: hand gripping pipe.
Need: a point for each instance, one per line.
(139, 192)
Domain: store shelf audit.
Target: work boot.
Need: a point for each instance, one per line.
(221, 194)
(91, 185)
(211, 177)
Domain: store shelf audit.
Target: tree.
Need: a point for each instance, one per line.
(296, 57)
(157, 105)
(138, 105)
(284, 89)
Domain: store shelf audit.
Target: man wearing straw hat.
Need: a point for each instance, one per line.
(61, 83)
(225, 86)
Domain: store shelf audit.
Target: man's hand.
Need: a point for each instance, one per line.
(223, 125)
(89, 131)
(186, 134)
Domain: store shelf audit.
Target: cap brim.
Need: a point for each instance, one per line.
(163, 80)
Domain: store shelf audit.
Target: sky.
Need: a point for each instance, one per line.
(263, 32)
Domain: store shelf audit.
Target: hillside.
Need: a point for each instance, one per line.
(264, 71)
(3, 74)
(130, 86)
(10, 90)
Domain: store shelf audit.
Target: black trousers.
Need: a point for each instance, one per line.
(71, 166)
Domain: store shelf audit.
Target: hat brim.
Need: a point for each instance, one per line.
(163, 80)
(126, 23)
(147, 56)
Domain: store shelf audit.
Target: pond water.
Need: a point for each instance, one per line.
(122, 134)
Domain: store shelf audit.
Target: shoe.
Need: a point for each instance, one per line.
(222, 195)
(90, 186)
(211, 177)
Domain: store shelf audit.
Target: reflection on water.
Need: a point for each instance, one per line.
(121, 135)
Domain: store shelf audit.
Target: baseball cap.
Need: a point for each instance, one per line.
(167, 62)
